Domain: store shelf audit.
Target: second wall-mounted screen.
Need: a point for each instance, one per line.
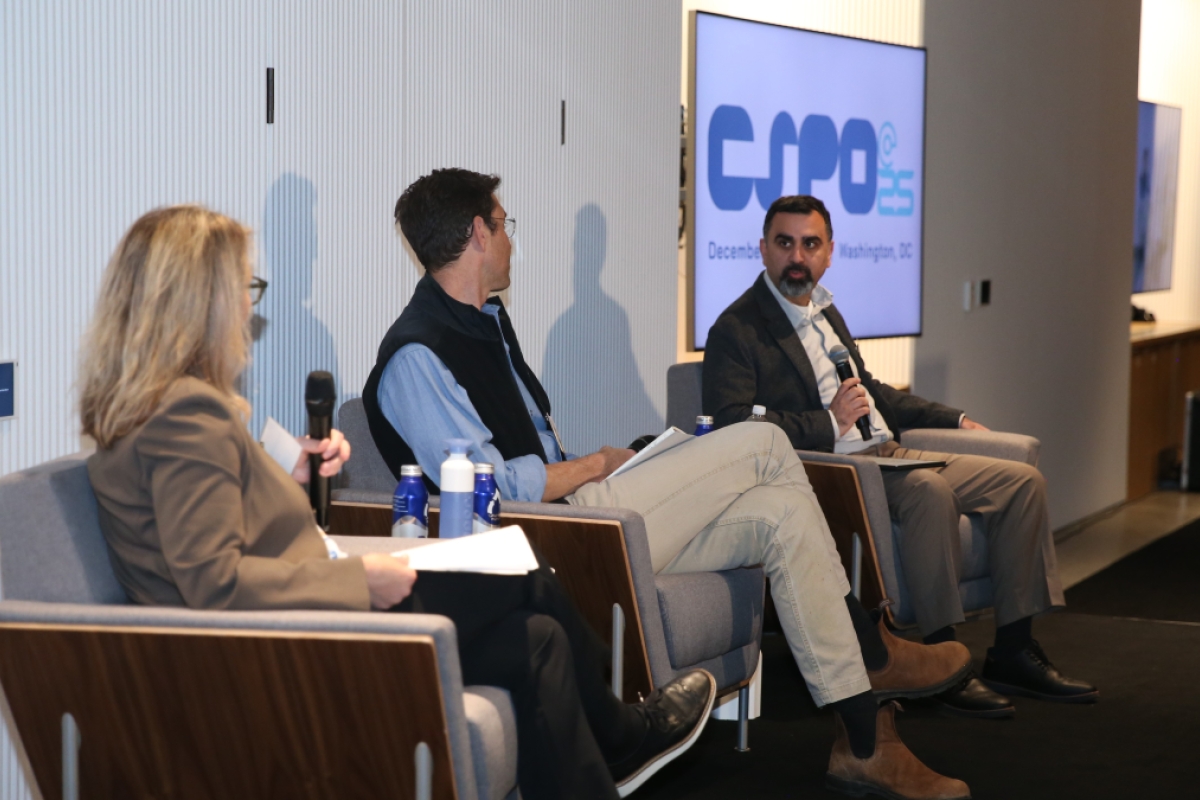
(1154, 201)
(780, 111)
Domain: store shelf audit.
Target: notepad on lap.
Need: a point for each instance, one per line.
(504, 551)
(902, 464)
(671, 437)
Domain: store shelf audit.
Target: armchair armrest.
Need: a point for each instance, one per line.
(600, 555)
(291, 700)
(995, 444)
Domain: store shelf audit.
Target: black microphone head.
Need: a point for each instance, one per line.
(320, 393)
(838, 354)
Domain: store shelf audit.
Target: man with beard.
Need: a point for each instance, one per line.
(772, 347)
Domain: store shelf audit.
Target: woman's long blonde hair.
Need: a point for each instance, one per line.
(171, 305)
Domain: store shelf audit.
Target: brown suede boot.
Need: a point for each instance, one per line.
(892, 770)
(917, 670)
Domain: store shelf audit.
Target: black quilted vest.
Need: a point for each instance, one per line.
(468, 342)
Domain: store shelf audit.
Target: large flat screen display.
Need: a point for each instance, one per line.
(1154, 201)
(779, 111)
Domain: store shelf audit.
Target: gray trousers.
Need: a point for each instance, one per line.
(1011, 498)
(738, 497)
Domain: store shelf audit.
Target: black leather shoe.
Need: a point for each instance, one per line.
(1030, 674)
(676, 714)
(972, 698)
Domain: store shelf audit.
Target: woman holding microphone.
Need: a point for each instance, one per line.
(196, 514)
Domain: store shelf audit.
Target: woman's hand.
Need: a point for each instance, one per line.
(389, 579)
(335, 450)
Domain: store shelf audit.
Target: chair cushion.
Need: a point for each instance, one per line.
(975, 583)
(976, 594)
(366, 469)
(709, 614)
(51, 546)
(493, 729)
(974, 548)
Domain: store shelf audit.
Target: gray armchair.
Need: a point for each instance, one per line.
(707, 620)
(975, 585)
(191, 703)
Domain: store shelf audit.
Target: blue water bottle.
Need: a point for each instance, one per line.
(703, 425)
(410, 505)
(487, 500)
(458, 490)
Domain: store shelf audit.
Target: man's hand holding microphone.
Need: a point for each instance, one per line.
(850, 405)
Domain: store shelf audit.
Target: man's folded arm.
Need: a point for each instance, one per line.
(912, 411)
(426, 405)
(730, 385)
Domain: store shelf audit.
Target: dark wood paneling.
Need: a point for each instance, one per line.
(1150, 392)
(186, 714)
(588, 557)
(1162, 372)
(840, 495)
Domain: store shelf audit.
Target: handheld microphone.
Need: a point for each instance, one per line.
(319, 397)
(841, 363)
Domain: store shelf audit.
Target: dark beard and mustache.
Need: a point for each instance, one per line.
(790, 287)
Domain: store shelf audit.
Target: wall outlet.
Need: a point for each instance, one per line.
(983, 293)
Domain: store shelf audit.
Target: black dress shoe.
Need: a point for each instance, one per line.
(1030, 674)
(676, 715)
(971, 697)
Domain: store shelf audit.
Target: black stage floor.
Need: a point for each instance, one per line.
(1160, 581)
(1142, 740)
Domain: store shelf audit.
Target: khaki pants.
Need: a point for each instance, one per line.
(737, 497)
(1011, 497)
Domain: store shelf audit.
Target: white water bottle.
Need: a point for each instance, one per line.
(758, 414)
(458, 490)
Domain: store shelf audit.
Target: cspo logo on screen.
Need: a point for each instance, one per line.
(862, 160)
(781, 111)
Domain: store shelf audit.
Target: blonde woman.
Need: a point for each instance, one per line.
(196, 514)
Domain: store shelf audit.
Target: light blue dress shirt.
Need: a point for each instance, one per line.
(427, 406)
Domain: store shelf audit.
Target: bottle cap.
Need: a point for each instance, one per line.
(410, 470)
(458, 447)
(759, 411)
(703, 420)
(485, 469)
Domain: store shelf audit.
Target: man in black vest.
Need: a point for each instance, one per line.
(772, 347)
(451, 367)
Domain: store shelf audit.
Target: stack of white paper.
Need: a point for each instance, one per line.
(504, 551)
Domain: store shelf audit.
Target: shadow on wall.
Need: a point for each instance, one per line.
(590, 371)
(293, 341)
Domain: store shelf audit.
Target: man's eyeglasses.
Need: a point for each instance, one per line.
(510, 225)
(257, 287)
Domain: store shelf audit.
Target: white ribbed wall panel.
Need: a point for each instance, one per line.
(108, 109)
(165, 103)
(1169, 72)
(895, 21)
(607, 353)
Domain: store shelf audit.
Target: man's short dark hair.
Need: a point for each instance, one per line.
(798, 204)
(437, 213)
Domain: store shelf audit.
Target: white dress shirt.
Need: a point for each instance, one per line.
(818, 338)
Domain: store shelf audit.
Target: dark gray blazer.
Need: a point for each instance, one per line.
(754, 357)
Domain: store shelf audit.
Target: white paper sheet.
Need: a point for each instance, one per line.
(671, 437)
(281, 445)
(504, 551)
